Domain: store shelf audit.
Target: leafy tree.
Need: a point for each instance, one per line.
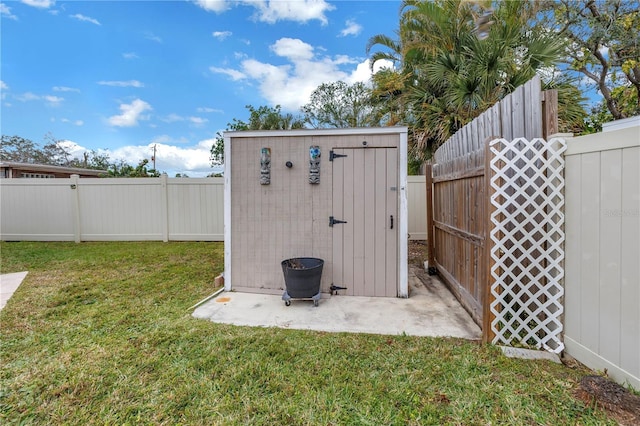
(18, 149)
(338, 105)
(268, 118)
(625, 99)
(96, 160)
(21, 150)
(122, 169)
(604, 46)
(55, 153)
(262, 118)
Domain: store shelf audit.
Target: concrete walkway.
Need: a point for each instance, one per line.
(431, 310)
(8, 284)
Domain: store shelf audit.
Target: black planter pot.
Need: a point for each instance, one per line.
(302, 276)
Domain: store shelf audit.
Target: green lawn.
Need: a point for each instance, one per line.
(101, 333)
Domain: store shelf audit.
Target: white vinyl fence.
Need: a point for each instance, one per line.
(417, 207)
(134, 209)
(602, 249)
(94, 209)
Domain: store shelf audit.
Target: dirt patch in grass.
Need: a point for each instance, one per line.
(622, 405)
(417, 252)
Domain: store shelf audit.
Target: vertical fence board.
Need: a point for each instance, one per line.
(518, 112)
(610, 256)
(629, 268)
(550, 112)
(573, 225)
(590, 235)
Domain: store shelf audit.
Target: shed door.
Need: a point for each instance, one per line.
(365, 195)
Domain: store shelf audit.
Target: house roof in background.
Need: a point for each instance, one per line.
(50, 168)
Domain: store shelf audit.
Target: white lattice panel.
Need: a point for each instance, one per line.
(527, 242)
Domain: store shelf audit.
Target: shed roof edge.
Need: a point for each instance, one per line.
(317, 132)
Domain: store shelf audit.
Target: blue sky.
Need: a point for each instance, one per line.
(124, 76)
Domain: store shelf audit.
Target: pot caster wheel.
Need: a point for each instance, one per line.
(287, 302)
(315, 303)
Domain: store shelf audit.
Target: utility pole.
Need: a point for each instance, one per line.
(153, 157)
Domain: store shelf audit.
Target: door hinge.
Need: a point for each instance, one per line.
(333, 221)
(333, 155)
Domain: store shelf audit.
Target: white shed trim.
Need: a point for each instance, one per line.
(318, 132)
(403, 234)
(227, 213)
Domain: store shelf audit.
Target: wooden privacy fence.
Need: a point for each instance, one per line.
(459, 195)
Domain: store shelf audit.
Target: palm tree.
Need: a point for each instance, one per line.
(449, 74)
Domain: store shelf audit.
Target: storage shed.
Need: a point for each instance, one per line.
(333, 194)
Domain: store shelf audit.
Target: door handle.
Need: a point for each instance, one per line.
(391, 221)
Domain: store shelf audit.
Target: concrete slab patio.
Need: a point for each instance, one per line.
(431, 310)
(8, 284)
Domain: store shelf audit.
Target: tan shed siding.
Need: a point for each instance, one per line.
(289, 217)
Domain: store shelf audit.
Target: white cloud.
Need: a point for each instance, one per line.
(272, 11)
(3, 90)
(363, 70)
(130, 55)
(28, 96)
(74, 122)
(198, 121)
(381, 65)
(351, 28)
(293, 49)
(129, 83)
(73, 148)
(49, 99)
(130, 114)
(216, 6)
(83, 18)
(44, 4)
(65, 89)
(192, 160)
(221, 35)
(207, 109)
(5, 11)
(234, 74)
(152, 37)
(172, 118)
(291, 84)
(53, 100)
